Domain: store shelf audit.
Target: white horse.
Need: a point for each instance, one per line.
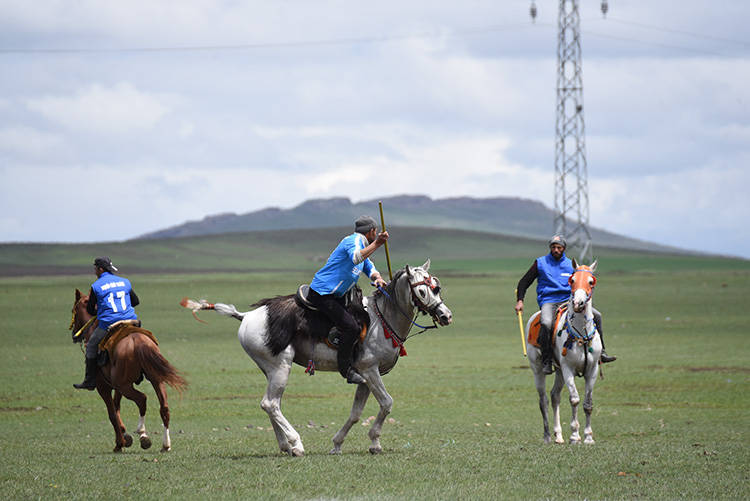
(279, 333)
(576, 351)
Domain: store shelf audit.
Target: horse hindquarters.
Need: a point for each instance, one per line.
(252, 336)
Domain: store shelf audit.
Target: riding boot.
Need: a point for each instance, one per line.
(345, 367)
(89, 382)
(604, 358)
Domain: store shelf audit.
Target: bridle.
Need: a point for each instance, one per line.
(434, 285)
(591, 292)
(80, 332)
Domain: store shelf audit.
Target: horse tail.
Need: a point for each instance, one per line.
(229, 310)
(158, 368)
(221, 308)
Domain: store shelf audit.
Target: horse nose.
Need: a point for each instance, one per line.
(446, 317)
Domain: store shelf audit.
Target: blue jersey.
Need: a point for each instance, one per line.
(343, 267)
(112, 299)
(552, 282)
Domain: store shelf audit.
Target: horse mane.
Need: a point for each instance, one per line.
(287, 320)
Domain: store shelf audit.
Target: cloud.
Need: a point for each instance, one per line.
(98, 109)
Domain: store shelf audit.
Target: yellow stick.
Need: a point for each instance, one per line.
(387, 254)
(520, 326)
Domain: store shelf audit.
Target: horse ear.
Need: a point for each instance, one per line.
(408, 270)
(593, 265)
(78, 294)
(426, 266)
(575, 264)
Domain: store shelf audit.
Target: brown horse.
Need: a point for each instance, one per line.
(136, 356)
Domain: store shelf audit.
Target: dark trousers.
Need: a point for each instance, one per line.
(333, 308)
(92, 347)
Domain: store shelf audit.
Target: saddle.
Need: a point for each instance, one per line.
(116, 333)
(334, 333)
(533, 336)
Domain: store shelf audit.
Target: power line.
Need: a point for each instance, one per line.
(277, 45)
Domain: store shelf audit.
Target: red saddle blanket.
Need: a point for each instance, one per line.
(117, 334)
(533, 335)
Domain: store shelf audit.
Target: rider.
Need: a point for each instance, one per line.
(112, 299)
(337, 276)
(552, 273)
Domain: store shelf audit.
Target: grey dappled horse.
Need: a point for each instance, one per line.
(576, 349)
(390, 313)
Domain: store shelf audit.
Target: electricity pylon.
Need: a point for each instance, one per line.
(571, 175)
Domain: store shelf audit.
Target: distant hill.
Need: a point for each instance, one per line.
(505, 216)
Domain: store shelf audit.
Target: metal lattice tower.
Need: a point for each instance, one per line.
(571, 175)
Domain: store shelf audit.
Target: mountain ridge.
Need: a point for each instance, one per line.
(509, 216)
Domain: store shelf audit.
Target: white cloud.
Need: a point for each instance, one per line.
(98, 109)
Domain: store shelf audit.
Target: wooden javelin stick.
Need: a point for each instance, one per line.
(387, 254)
(520, 326)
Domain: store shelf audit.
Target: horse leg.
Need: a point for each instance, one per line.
(539, 381)
(129, 392)
(360, 399)
(378, 390)
(125, 434)
(570, 382)
(114, 416)
(588, 405)
(278, 374)
(555, 395)
(161, 393)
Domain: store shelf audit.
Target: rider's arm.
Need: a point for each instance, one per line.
(526, 281)
(134, 301)
(91, 306)
(380, 240)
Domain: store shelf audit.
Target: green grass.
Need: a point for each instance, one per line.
(670, 417)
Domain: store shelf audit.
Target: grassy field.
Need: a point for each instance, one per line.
(670, 418)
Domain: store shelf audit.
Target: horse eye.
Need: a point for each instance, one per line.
(422, 293)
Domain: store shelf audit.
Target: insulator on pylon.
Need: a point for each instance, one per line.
(605, 8)
(532, 11)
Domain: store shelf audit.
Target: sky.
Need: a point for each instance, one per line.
(122, 118)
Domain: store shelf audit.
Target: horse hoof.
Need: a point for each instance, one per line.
(297, 453)
(128, 440)
(589, 441)
(335, 451)
(145, 442)
(376, 450)
(117, 449)
(165, 449)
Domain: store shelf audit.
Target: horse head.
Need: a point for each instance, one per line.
(582, 284)
(79, 316)
(425, 293)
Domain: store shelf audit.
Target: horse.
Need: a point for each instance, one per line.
(136, 356)
(576, 350)
(279, 332)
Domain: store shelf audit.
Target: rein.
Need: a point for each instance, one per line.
(420, 306)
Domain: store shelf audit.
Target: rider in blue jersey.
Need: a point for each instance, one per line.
(552, 273)
(111, 299)
(342, 269)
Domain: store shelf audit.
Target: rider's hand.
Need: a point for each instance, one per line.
(378, 281)
(519, 306)
(382, 238)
